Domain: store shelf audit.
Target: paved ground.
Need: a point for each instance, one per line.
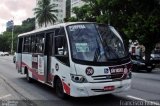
(13, 86)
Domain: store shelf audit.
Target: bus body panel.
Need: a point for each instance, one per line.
(26, 63)
(19, 62)
(63, 72)
(31, 62)
(93, 89)
(99, 80)
(103, 73)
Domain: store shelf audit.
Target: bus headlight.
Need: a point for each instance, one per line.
(78, 78)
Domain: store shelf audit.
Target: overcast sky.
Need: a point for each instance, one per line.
(19, 9)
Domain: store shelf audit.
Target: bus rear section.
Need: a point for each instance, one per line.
(77, 59)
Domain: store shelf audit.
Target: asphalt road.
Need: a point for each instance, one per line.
(13, 86)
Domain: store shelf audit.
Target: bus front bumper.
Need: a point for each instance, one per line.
(93, 89)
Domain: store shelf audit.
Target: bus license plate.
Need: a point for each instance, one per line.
(109, 88)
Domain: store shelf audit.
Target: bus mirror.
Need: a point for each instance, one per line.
(60, 51)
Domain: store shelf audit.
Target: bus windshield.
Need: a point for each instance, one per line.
(95, 43)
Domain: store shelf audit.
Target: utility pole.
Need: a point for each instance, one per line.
(12, 40)
(12, 25)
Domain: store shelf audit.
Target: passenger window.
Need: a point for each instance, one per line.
(19, 47)
(61, 47)
(40, 43)
(33, 43)
(26, 47)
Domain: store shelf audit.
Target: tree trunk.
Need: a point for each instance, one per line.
(45, 24)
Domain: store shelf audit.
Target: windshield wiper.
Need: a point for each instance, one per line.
(97, 54)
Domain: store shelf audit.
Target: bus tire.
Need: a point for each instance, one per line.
(29, 79)
(59, 89)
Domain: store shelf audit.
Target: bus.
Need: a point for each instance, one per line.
(79, 59)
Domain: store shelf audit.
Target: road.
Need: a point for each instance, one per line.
(13, 86)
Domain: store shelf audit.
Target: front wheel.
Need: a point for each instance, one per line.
(59, 89)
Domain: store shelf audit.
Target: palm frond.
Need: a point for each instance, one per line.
(44, 12)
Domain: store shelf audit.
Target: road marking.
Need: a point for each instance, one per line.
(5, 96)
(137, 98)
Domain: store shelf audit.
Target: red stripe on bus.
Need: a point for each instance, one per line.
(66, 88)
(34, 72)
(50, 77)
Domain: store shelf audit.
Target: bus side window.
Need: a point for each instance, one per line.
(26, 46)
(19, 47)
(61, 48)
(40, 43)
(33, 44)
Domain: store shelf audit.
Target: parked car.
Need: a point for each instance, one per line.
(14, 57)
(6, 53)
(139, 64)
(1, 53)
(155, 56)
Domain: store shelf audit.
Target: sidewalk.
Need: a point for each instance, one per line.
(8, 97)
(5, 92)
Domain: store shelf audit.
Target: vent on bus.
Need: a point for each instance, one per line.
(107, 77)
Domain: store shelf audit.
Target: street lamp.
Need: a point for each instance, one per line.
(10, 24)
(12, 39)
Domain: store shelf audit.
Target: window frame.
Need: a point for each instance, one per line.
(64, 59)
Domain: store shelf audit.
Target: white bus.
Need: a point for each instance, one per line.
(79, 59)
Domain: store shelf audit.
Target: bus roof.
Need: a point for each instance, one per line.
(51, 27)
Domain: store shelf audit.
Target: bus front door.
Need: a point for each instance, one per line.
(48, 54)
(18, 55)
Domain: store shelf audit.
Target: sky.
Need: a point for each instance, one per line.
(17, 10)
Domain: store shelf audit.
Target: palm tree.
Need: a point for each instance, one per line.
(45, 12)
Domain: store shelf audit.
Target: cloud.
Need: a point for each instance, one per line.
(19, 9)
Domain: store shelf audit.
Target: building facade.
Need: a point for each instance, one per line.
(68, 8)
(61, 14)
(76, 3)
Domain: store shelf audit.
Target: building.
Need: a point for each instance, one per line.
(76, 3)
(68, 8)
(61, 7)
(61, 14)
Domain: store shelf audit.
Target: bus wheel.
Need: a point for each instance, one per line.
(27, 77)
(59, 89)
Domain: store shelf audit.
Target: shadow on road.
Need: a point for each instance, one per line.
(104, 100)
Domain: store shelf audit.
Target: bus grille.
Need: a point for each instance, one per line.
(107, 77)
